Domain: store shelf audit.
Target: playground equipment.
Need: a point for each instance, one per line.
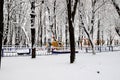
(57, 45)
(58, 48)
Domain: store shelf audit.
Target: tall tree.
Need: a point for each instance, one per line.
(91, 18)
(8, 22)
(1, 27)
(117, 28)
(54, 18)
(33, 28)
(66, 33)
(98, 33)
(86, 28)
(40, 25)
(71, 17)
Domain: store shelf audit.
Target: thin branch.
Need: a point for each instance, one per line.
(116, 6)
(100, 6)
(16, 6)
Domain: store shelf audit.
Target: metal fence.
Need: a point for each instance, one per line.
(14, 51)
(102, 48)
(22, 51)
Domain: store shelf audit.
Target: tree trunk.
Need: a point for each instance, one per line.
(71, 32)
(66, 33)
(40, 28)
(98, 33)
(88, 34)
(71, 17)
(1, 27)
(92, 45)
(54, 24)
(33, 28)
(93, 17)
(8, 24)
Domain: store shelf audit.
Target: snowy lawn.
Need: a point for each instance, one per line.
(103, 66)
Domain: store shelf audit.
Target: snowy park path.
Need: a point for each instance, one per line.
(102, 66)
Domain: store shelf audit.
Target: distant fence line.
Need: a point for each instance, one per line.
(8, 51)
(101, 48)
(22, 51)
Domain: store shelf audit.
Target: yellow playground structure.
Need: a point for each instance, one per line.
(57, 45)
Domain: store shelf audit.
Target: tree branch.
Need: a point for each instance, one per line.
(100, 6)
(74, 10)
(116, 6)
(16, 6)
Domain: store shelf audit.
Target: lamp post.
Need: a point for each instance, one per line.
(33, 28)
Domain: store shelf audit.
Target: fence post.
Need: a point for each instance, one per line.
(2, 53)
(100, 48)
(49, 46)
(86, 50)
(29, 50)
(112, 48)
(109, 48)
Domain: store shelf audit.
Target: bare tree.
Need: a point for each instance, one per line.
(117, 28)
(33, 28)
(66, 33)
(40, 24)
(1, 27)
(111, 36)
(54, 18)
(71, 16)
(98, 33)
(87, 31)
(89, 27)
(15, 14)
(8, 5)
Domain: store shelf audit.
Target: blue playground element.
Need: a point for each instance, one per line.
(61, 52)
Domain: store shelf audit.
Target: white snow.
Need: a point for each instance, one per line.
(102, 66)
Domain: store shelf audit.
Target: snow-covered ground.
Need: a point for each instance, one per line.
(103, 66)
